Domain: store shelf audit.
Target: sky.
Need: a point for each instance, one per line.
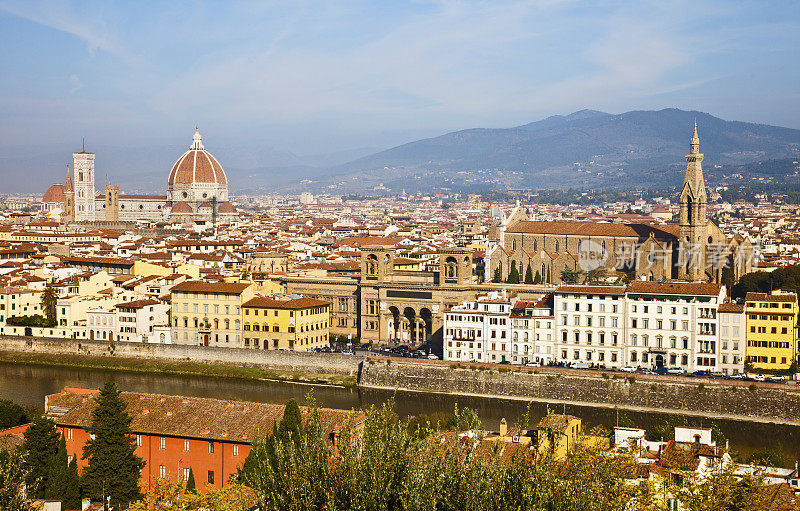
(270, 80)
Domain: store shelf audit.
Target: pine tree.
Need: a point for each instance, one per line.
(57, 469)
(538, 278)
(291, 423)
(498, 275)
(39, 447)
(12, 414)
(113, 468)
(190, 484)
(529, 275)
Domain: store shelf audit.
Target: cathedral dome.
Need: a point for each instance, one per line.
(226, 207)
(197, 166)
(181, 208)
(54, 194)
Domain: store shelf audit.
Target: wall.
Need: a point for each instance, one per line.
(589, 388)
(327, 363)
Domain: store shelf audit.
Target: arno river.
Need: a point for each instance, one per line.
(28, 384)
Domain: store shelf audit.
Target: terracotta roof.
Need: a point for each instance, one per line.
(594, 229)
(212, 419)
(209, 287)
(674, 288)
(766, 297)
(731, 307)
(54, 194)
(593, 290)
(226, 207)
(181, 207)
(197, 166)
(266, 302)
(137, 304)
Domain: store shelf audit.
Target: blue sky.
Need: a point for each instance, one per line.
(315, 77)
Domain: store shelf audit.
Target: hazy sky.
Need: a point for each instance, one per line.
(314, 77)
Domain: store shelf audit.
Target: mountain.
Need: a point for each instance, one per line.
(586, 148)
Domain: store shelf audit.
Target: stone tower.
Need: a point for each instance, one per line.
(112, 203)
(693, 232)
(69, 200)
(83, 174)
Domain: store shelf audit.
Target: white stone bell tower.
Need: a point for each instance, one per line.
(83, 177)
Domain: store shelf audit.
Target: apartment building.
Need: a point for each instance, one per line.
(286, 322)
(589, 323)
(478, 331)
(771, 319)
(135, 320)
(673, 324)
(209, 314)
(731, 337)
(532, 331)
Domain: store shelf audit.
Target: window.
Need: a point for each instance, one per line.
(185, 474)
(185, 444)
(138, 440)
(210, 477)
(162, 471)
(210, 449)
(236, 449)
(162, 442)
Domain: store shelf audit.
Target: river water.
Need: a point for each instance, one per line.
(28, 384)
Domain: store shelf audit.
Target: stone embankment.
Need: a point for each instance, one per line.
(771, 403)
(708, 398)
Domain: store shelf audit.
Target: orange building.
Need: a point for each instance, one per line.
(174, 433)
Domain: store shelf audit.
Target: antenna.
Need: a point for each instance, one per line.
(83, 145)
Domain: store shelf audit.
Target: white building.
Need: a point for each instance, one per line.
(532, 332)
(589, 324)
(478, 331)
(102, 324)
(136, 320)
(673, 324)
(731, 338)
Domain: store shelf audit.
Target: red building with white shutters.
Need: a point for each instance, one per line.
(174, 433)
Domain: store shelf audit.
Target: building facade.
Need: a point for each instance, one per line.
(281, 322)
(209, 314)
(771, 320)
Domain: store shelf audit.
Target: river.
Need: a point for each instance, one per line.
(28, 384)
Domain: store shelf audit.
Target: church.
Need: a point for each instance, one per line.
(197, 192)
(694, 249)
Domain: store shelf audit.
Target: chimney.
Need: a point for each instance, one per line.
(85, 503)
(503, 427)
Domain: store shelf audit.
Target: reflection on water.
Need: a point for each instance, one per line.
(28, 384)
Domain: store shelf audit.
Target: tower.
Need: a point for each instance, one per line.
(112, 203)
(693, 244)
(83, 172)
(69, 200)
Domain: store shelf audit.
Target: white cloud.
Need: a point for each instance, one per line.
(75, 83)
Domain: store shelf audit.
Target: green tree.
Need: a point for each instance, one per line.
(291, 423)
(529, 275)
(728, 276)
(113, 468)
(569, 276)
(49, 300)
(63, 482)
(39, 447)
(190, 484)
(538, 278)
(513, 274)
(72, 497)
(549, 281)
(12, 414)
(498, 275)
(13, 474)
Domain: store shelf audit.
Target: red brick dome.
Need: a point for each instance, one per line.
(180, 208)
(226, 207)
(54, 194)
(197, 166)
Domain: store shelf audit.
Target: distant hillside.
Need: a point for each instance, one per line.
(586, 148)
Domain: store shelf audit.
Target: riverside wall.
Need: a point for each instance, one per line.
(320, 363)
(746, 402)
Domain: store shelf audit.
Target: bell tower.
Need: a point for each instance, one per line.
(69, 200)
(83, 174)
(692, 245)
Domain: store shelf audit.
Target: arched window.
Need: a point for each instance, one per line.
(535, 246)
(556, 245)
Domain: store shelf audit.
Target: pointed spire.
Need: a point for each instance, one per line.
(694, 146)
(68, 185)
(83, 144)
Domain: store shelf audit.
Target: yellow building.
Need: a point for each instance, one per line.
(17, 301)
(282, 322)
(557, 435)
(209, 314)
(770, 330)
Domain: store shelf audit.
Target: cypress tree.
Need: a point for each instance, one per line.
(291, 422)
(498, 275)
(113, 468)
(190, 484)
(513, 274)
(538, 278)
(548, 275)
(72, 495)
(39, 447)
(529, 275)
(57, 473)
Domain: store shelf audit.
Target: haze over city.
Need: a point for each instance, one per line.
(327, 82)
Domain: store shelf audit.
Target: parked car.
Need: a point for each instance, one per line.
(701, 372)
(433, 357)
(648, 371)
(737, 376)
(675, 370)
(581, 365)
(777, 378)
(757, 377)
(662, 370)
(533, 364)
(629, 369)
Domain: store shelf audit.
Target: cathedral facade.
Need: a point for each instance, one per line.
(694, 249)
(197, 192)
